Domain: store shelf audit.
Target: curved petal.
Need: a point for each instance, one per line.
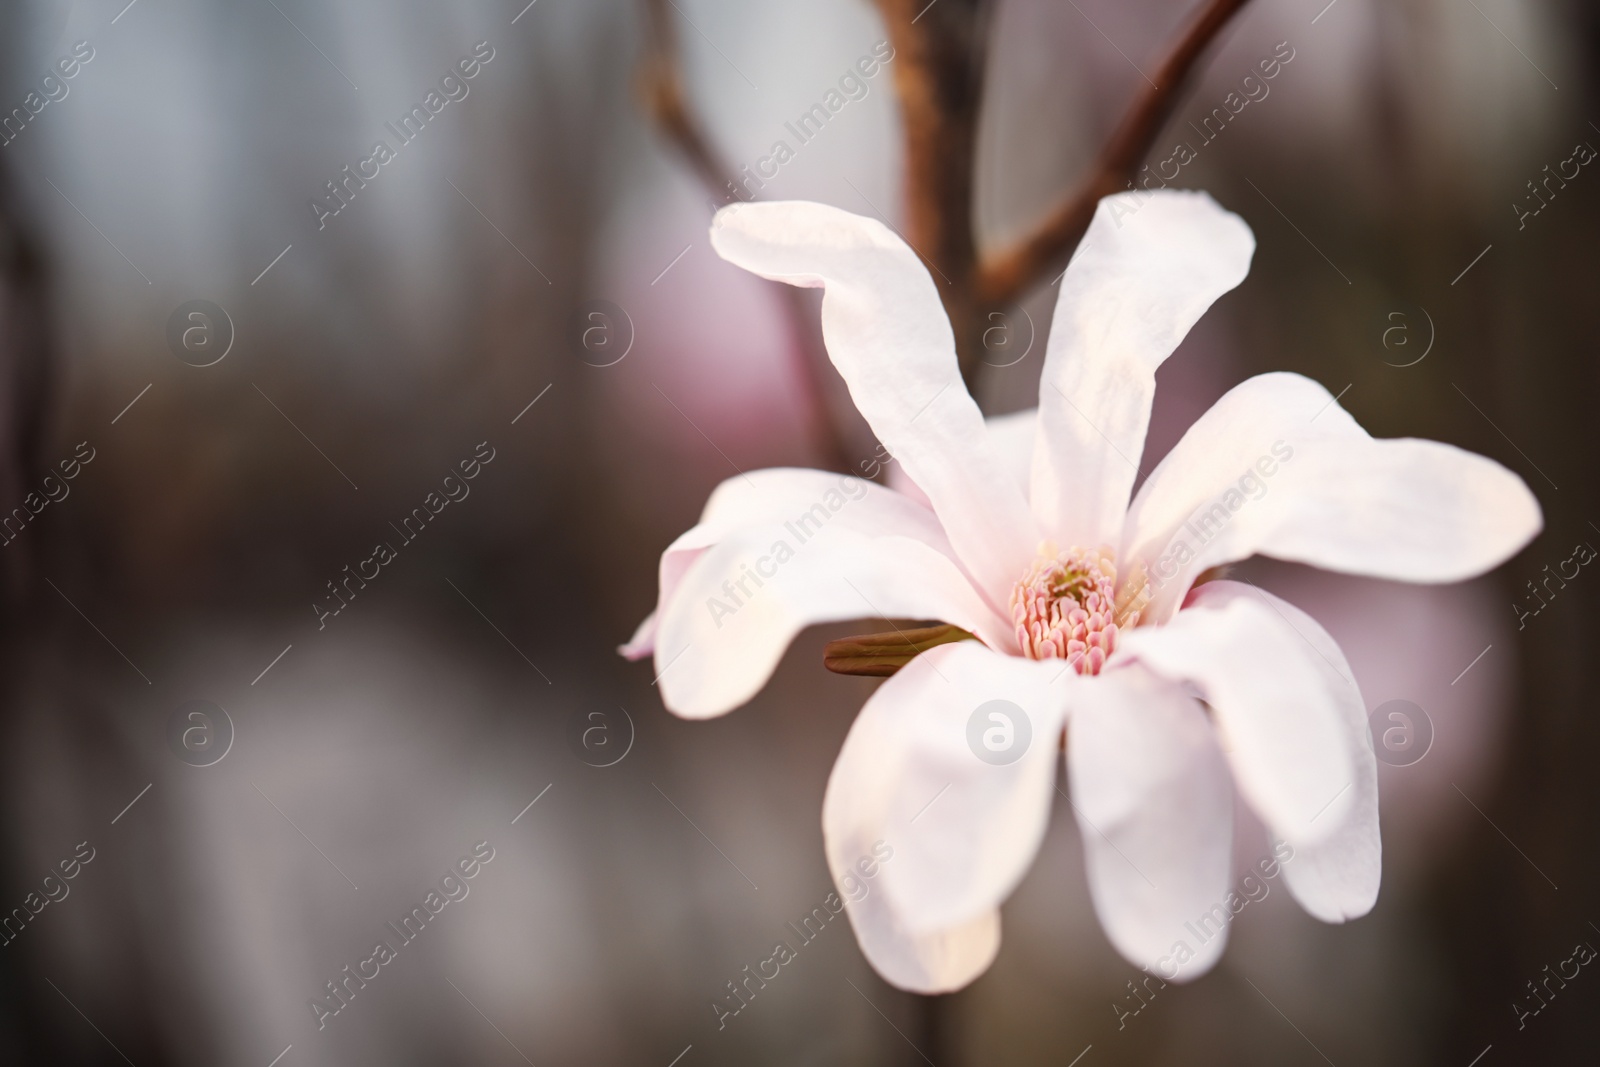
(940, 962)
(1279, 721)
(643, 641)
(950, 766)
(1012, 436)
(1146, 270)
(742, 602)
(887, 334)
(1276, 467)
(771, 496)
(1336, 878)
(1154, 801)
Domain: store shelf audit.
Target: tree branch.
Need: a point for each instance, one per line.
(27, 373)
(940, 51)
(1005, 277)
(661, 84)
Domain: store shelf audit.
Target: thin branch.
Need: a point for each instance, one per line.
(661, 83)
(1005, 277)
(28, 376)
(938, 64)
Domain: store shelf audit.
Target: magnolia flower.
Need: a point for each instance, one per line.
(1086, 604)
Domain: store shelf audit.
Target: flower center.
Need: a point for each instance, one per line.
(1067, 606)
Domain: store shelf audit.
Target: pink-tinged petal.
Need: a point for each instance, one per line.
(774, 496)
(1279, 721)
(1278, 468)
(901, 483)
(887, 334)
(963, 828)
(1154, 802)
(940, 962)
(1012, 436)
(1147, 269)
(643, 641)
(1336, 878)
(742, 602)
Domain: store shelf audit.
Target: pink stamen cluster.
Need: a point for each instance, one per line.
(1064, 607)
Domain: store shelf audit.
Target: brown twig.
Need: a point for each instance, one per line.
(27, 372)
(939, 54)
(667, 103)
(940, 51)
(1005, 277)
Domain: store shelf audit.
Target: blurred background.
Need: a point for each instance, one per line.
(226, 470)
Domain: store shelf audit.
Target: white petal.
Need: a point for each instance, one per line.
(940, 962)
(773, 496)
(1279, 722)
(963, 829)
(1336, 498)
(1012, 436)
(1336, 878)
(1154, 802)
(887, 334)
(643, 641)
(742, 602)
(1147, 269)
